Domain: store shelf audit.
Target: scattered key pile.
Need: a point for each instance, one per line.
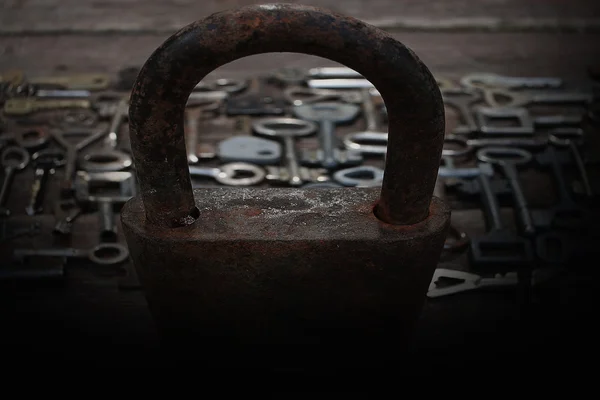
(513, 152)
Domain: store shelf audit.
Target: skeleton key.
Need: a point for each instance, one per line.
(521, 99)
(462, 100)
(45, 162)
(102, 254)
(75, 82)
(11, 165)
(25, 105)
(487, 80)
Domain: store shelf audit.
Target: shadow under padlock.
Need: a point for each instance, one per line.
(266, 277)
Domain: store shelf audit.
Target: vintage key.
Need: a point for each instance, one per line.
(522, 99)
(465, 281)
(13, 159)
(71, 212)
(28, 105)
(498, 247)
(526, 123)
(61, 136)
(102, 254)
(249, 149)
(371, 133)
(569, 139)
(295, 76)
(361, 176)
(287, 129)
(104, 200)
(282, 175)
(344, 83)
(231, 174)
(462, 100)
(489, 80)
(298, 96)
(74, 82)
(228, 85)
(193, 115)
(328, 115)
(254, 104)
(565, 209)
(508, 158)
(108, 158)
(456, 240)
(45, 162)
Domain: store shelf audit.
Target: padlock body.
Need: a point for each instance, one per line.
(286, 275)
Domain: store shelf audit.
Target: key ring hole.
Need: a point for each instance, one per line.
(15, 157)
(504, 155)
(109, 254)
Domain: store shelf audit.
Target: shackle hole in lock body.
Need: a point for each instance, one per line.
(416, 119)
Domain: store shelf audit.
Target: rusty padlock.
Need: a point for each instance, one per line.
(333, 276)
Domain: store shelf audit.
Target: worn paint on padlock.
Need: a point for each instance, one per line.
(295, 275)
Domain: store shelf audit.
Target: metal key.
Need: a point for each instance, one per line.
(61, 136)
(232, 174)
(527, 123)
(358, 83)
(498, 247)
(287, 129)
(465, 282)
(361, 176)
(102, 254)
(104, 201)
(192, 117)
(366, 142)
(74, 82)
(294, 76)
(108, 158)
(298, 96)
(328, 115)
(569, 139)
(249, 149)
(565, 208)
(488, 80)
(64, 223)
(521, 99)
(508, 158)
(371, 132)
(28, 105)
(45, 163)
(462, 100)
(13, 159)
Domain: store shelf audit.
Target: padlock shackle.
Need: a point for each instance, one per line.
(158, 99)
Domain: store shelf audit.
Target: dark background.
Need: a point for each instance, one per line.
(90, 318)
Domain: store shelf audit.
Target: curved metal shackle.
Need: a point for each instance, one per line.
(411, 94)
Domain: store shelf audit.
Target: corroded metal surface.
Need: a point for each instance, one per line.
(413, 100)
(301, 274)
(236, 274)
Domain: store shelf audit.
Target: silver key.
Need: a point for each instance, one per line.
(328, 115)
(45, 162)
(298, 96)
(286, 129)
(102, 254)
(527, 123)
(521, 99)
(229, 174)
(365, 142)
(13, 159)
(569, 139)
(61, 136)
(462, 100)
(294, 76)
(249, 149)
(488, 80)
(508, 159)
(108, 158)
(279, 175)
(469, 281)
(105, 202)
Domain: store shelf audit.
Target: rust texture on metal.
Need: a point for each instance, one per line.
(412, 97)
(300, 274)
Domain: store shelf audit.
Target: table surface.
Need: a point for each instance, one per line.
(93, 316)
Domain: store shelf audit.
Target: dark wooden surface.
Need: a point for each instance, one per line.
(89, 317)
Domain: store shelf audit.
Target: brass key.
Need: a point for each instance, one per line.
(23, 106)
(77, 82)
